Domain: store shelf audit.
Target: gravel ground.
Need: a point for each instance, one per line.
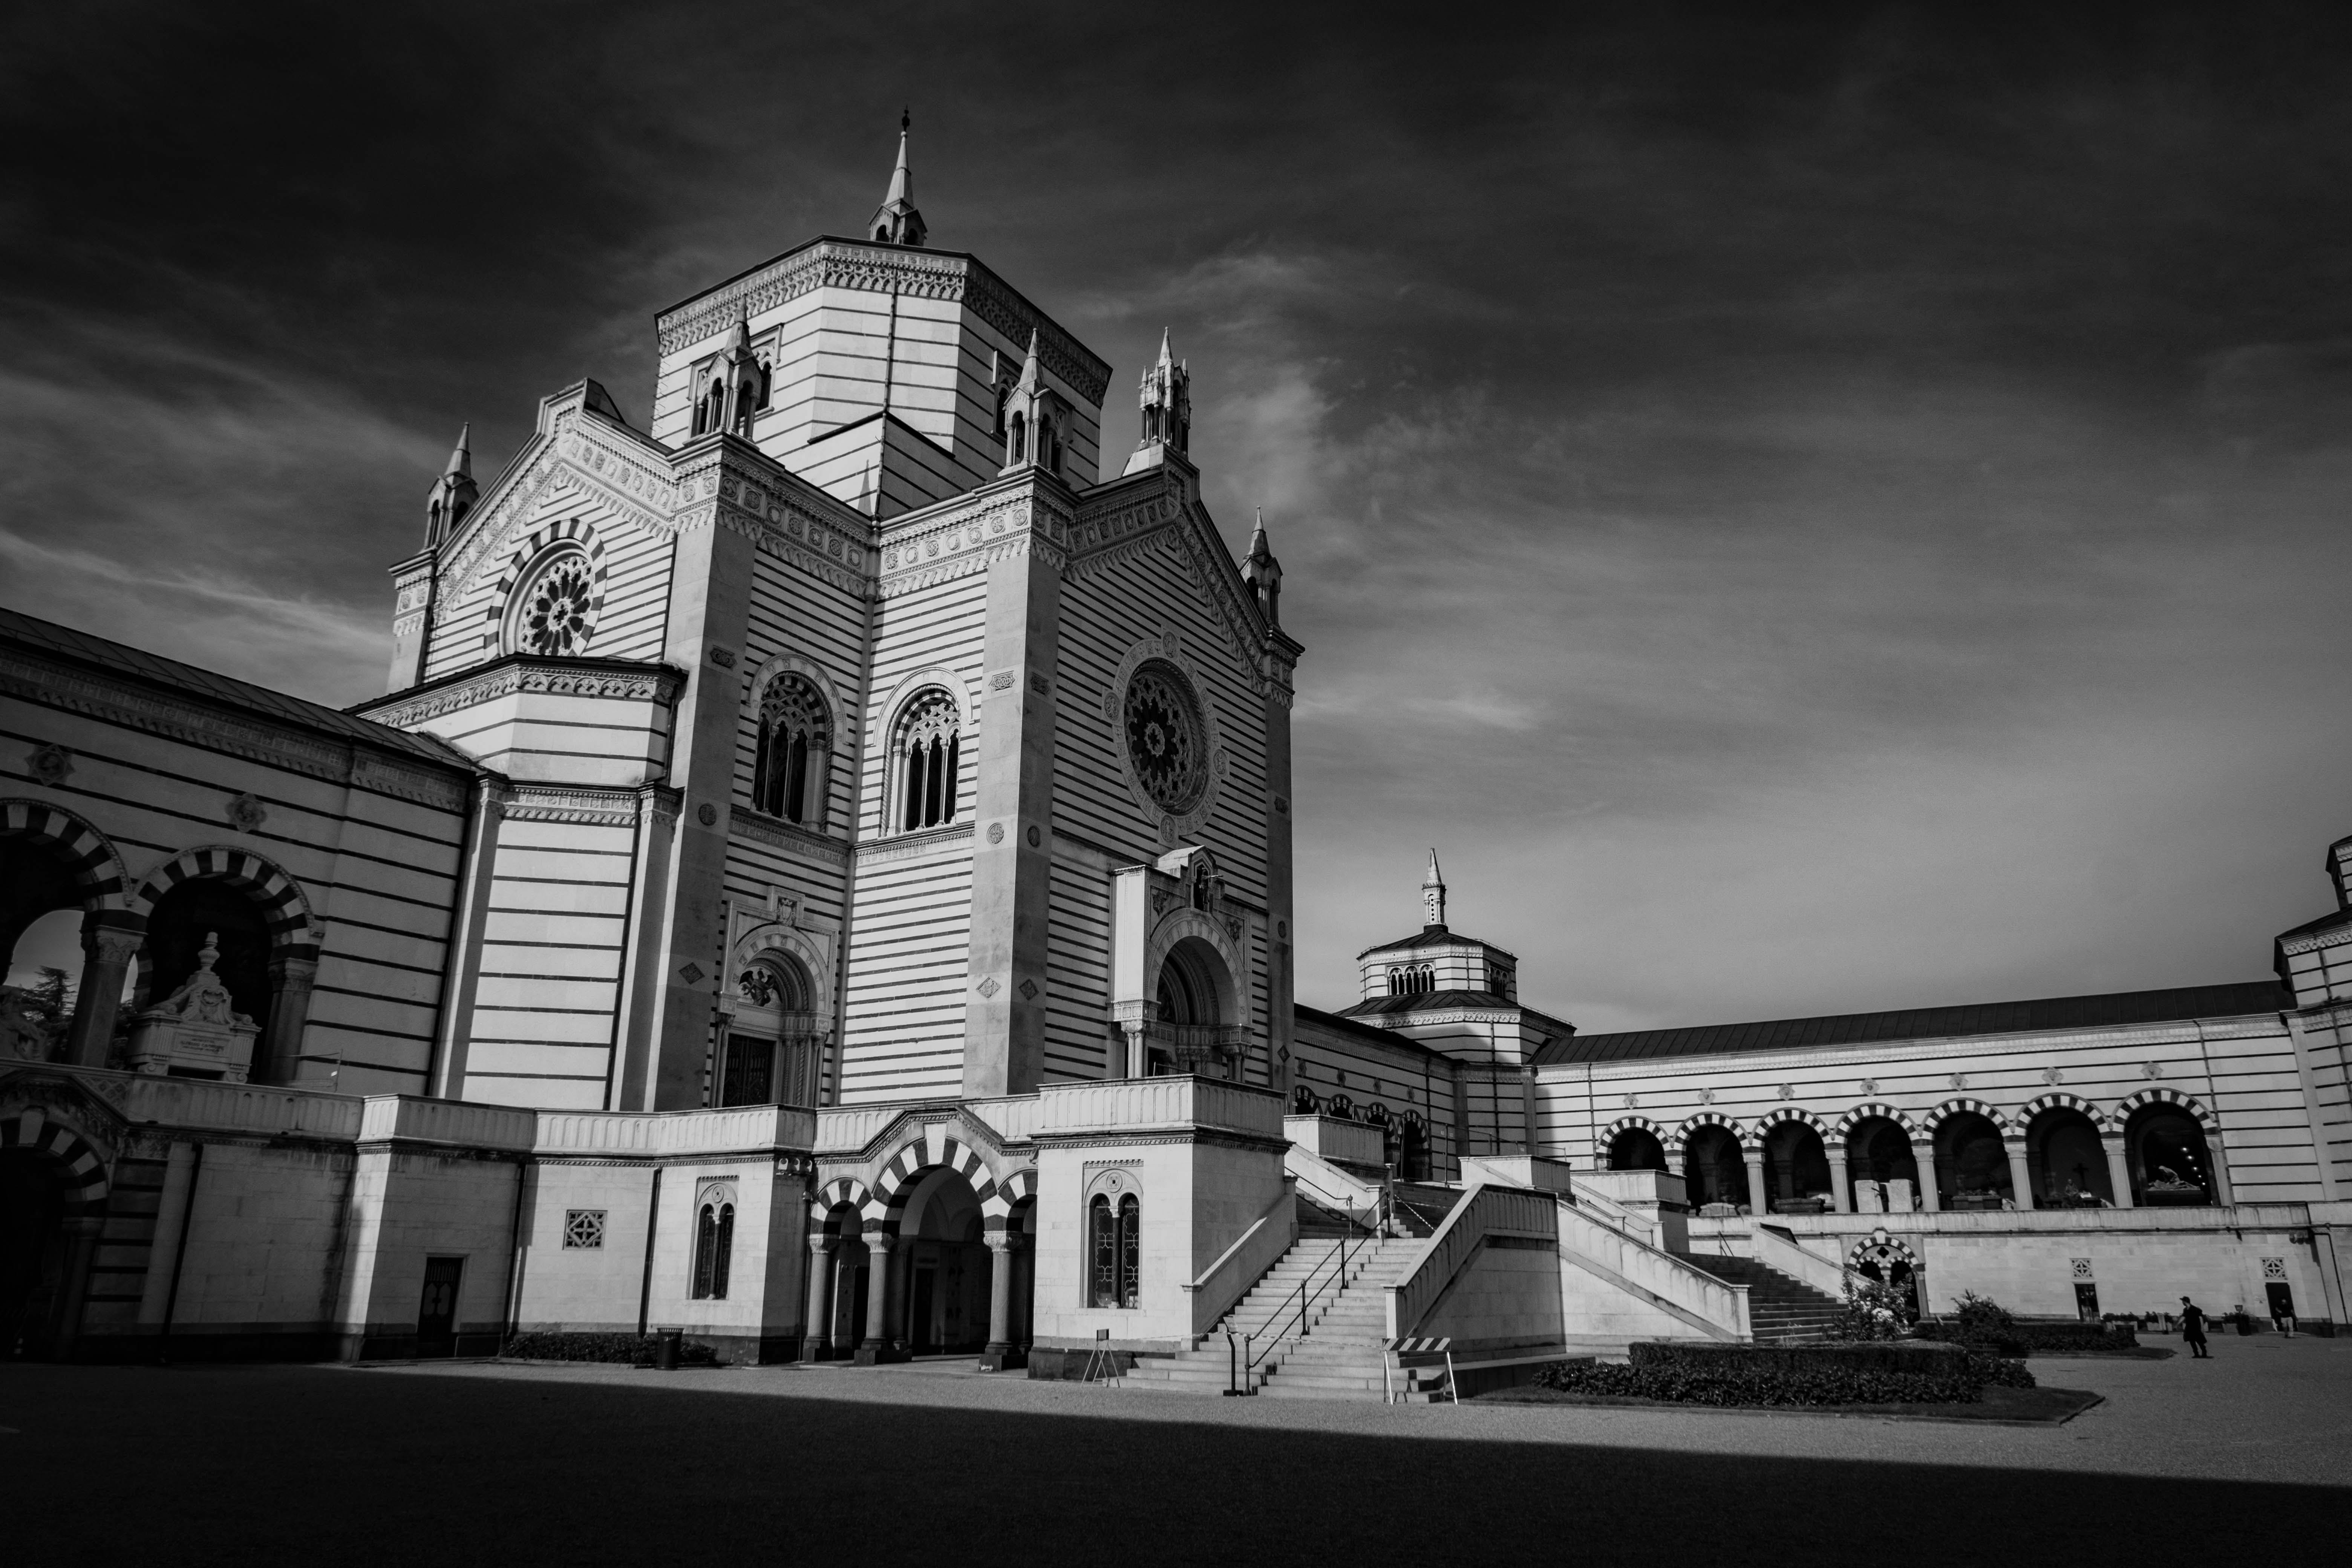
(2249, 1455)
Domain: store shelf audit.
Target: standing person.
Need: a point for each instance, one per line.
(2192, 1329)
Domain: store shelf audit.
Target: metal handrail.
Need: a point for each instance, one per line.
(1244, 1359)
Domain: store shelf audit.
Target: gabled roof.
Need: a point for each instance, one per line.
(2119, 1008)
(153, 669)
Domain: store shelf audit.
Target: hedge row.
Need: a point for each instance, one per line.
(1799, 1375)
(625, 1350)
(2015, 1339)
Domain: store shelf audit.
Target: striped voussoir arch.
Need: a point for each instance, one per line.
(841, 1193)
(1624, 1124)
(85, 1185)
(1869, 1110)
(1782, 1114)
(97, 868)
(573, 529)
(1013, 1189)
(2186, 1104)
(889, 1199)
(284, 908)
(2061, 1102)
(1960, 1106)
(1681, 1137)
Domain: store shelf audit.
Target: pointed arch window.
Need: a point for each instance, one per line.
(929, 757)
(1016, 448)
(767, 383)
(792, 752)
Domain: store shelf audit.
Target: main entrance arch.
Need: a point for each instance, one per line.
(53, 1193)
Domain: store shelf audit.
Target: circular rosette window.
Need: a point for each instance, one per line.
(555, 612)
(1167, 741)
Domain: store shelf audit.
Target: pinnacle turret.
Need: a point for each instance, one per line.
(1263, 572)
(1433, 896)
(896, 221)
(1166, 400)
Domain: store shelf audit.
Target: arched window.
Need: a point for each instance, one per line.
(701, 410)
(794, 739)
(1014, 450)
(767, 383)
(714, 1243)
(928, 752)
(1049, 443)
(1113, 1251)
(881, 234)
(714, 407)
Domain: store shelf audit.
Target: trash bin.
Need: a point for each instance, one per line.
(666, 1349)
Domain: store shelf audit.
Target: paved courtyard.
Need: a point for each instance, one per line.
(2247, 1457)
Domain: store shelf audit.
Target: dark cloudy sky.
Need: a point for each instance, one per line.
(1810, 512)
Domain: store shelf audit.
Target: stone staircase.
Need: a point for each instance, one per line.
(1271, 1306)
(1780, 1306)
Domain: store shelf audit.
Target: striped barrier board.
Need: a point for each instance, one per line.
(1401, 1348)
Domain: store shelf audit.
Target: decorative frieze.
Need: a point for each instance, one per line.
(590, 807)
(256, 739)
(613, 681)
(785, 835)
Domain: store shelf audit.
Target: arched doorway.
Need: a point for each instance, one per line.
(1882, 1166)
(2069, 1162)
(1194, 1024)
(1796, 1169)
(1636, 1148)
(32, 1252)
(1713, 1169)
(771, 1055)
(52, 1196)
(2165, 1152)
(946, 1263)
(1971, 1163)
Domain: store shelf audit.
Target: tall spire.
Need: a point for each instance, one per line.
(1263, 572)
(1433, 896)
(453, 494)
(896, 221)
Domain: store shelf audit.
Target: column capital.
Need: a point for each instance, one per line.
(1002, 1241)
(111, 945)
(819, 1242)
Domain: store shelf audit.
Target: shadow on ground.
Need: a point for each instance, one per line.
(264, 1465)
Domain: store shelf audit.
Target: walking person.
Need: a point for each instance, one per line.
(2192, 1329)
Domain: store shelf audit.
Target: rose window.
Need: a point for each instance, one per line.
(557, 608)
(1166, 741)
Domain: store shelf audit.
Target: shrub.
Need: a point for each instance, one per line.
(1879, 1373)
(1872, 1310)
(623, 1349)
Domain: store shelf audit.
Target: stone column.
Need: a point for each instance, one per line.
(2021, 1174)
(999, 1355)
(110, 940)
(1840, 1198)
(1931, 1199)
(2220, 1164)
(1757, 1205)
(1011, 768)
(816, 1334)
(2118, 1168)
(291, 973)
(876, 1346)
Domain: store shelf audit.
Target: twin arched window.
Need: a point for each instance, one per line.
(714, 1242)
(1115, 1251)
(796, 740)
(927, 753)
(1411, 980)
